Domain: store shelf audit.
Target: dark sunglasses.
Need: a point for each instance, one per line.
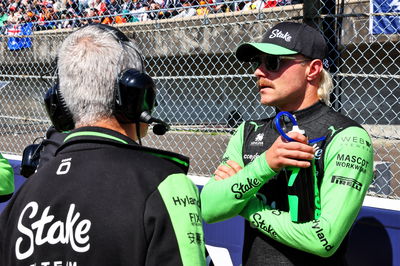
(272, 63)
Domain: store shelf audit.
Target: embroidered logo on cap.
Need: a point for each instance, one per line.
(279, 34)
(326, 63)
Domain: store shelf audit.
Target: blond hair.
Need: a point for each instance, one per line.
(325, 87)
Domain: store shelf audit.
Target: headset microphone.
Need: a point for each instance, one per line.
(160, 128)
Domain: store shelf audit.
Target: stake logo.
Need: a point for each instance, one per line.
(239, 189)
(279, 34)
(258, 222)
(44, 229)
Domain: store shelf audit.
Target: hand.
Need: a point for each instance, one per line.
(226, 171)
(296, 153)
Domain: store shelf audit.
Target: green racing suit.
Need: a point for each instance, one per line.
(344, 164)
(6, 179)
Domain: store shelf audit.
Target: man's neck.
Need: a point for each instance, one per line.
(112, 123)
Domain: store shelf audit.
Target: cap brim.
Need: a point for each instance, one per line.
(246, 51)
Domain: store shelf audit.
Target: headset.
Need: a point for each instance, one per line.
(135, 96)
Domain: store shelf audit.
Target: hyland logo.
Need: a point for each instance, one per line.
(356, 142)
(250, 157)
(352, 162)
(320, 234)
(279, 34)
(259, 222)
(258, 141)
(239, 189)
(341, 180)
(185, 201)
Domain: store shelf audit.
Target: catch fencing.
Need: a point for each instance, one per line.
(204, 92)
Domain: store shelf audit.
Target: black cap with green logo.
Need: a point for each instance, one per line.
(286, 38)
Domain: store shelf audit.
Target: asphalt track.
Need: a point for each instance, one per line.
(205, 150)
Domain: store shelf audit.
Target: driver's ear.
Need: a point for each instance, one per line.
(314, 69)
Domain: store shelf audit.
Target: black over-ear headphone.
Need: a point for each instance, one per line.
(135, 94)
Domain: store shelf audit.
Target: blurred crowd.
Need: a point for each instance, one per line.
(57, 14)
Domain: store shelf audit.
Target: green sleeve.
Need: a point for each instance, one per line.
(181, 199)
(348, 172)
(225, 199)
(6, 177)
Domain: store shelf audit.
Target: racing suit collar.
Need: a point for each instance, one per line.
(311, 112)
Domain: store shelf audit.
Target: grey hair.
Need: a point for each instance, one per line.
(89, 61)
(325, 87)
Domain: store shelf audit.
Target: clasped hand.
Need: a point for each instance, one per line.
(281, 154)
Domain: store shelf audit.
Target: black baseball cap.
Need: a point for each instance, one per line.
(286, 38)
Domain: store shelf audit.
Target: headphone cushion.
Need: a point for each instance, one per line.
(57, 109)
(135, 93)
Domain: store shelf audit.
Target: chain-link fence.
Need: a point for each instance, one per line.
(204, 92)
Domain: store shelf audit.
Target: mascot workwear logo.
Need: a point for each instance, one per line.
(44, 230)
(279, 34)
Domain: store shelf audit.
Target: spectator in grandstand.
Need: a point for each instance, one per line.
(203, 9)
(100, 7)
(71, 20)
(91, 16)
(155, 13)
(172, 4)
(83, 5)
(141, 13)
(168, 9)
(114, 7)
(252, 180)
(127, 6)
(3, 19)
(108, 19)
(14, 16)
(221, 7)
(120, 203)
(49, 14)
(121, 18)
(186, 11)
(73, 7)
(248, 5)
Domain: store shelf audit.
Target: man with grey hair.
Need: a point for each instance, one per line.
(104, 199)
(299, 195)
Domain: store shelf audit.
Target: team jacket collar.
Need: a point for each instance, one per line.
(98, 133)
(103, 135)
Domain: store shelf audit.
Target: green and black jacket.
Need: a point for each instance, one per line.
(344, 164)
(6, 179)
(105, 200)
